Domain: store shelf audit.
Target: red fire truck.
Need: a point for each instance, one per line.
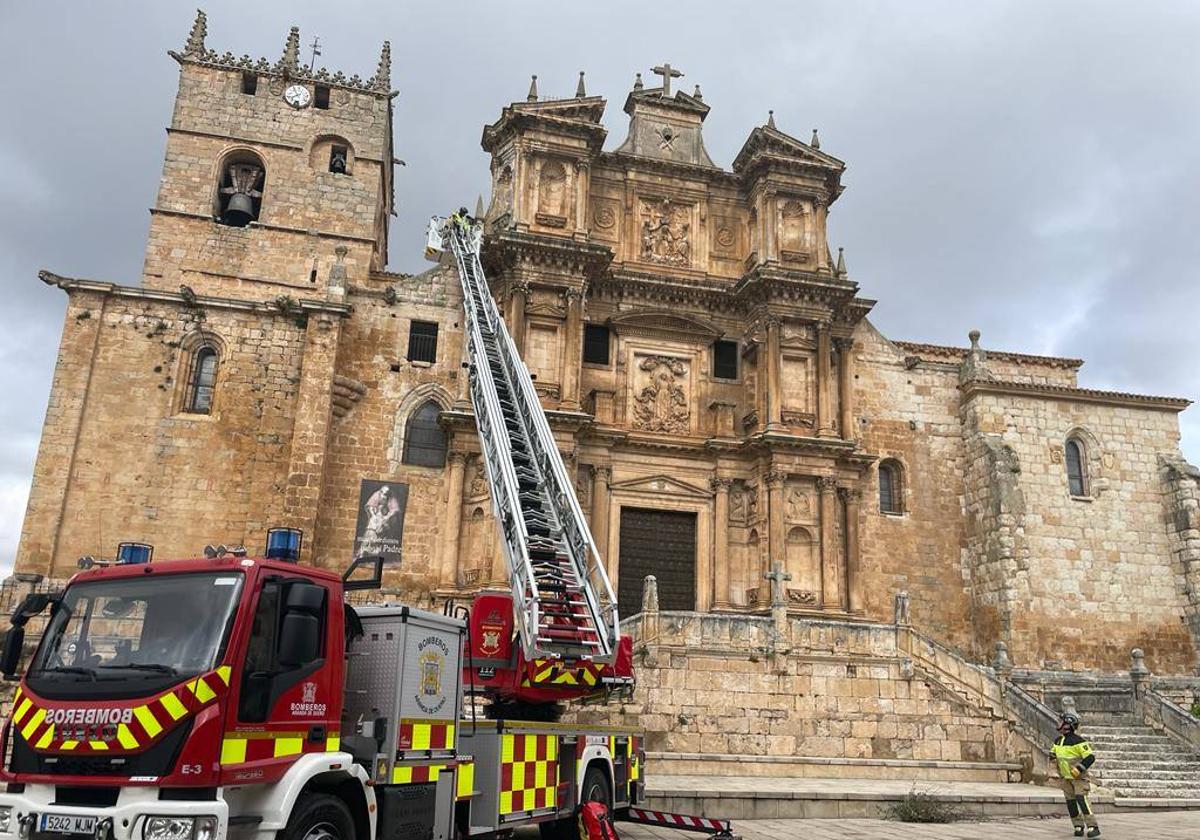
(229, 697)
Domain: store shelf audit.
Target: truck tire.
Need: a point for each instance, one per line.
(319, 816)
(595, 789)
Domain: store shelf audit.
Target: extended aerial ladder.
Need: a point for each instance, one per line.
(563, 602)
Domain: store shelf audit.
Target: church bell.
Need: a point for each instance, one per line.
(240, 210)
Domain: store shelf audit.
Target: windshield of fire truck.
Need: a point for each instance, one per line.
(140, 630)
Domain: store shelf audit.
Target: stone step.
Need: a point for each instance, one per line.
(1136, 752)
(1167, 787)
(1109, 774)
(1122, 763)
(1158, 792)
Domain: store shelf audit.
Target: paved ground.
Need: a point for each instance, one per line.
(1178, 825)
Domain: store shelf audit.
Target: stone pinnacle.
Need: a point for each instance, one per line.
(533, 94)
(195, 41)
(816, 141)
(383, 73)
(770, 119)
(580, 92)
(289, 63)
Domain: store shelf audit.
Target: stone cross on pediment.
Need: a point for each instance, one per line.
(777, 576)
(667, 72)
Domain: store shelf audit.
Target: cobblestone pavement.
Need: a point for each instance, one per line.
(1176, 825)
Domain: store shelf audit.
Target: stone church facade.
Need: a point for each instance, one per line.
(706, 361)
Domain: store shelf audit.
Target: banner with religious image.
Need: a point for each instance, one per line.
(380, 528)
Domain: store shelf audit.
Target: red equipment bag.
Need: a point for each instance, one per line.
(595, 823)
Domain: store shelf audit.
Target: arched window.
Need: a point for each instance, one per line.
(424, 441)
(891, 492)
(241, 179)
(202, 381)
(1076, 468)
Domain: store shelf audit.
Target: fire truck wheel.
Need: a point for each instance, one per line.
(596, 788)
(319, 816)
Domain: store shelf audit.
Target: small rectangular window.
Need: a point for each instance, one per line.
(725, 359)
(595, 344)
(321, 97)
(249, 84)
(422, 341)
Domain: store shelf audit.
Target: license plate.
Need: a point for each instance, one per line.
(68, 824)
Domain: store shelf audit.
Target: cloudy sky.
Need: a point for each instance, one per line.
(1030, 169)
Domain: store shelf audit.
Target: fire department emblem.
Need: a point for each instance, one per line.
(431, 674)
(309, 691)
(490, 645)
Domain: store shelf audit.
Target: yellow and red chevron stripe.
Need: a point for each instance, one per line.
(528, 772)
(148, 720)
(243, 747)
(549, 672)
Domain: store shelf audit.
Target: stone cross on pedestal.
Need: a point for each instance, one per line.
(777, 576)
(667, 72)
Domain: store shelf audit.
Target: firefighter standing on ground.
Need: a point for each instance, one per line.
(1075, 758)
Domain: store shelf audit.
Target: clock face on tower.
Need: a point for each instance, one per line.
(297, 96)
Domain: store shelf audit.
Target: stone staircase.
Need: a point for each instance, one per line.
(1135, 760)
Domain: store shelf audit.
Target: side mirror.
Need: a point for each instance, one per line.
(10, 659)
(31, 606)
(299, 639)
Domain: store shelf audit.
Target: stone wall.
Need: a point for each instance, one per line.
(1079, 580)
(119, 458)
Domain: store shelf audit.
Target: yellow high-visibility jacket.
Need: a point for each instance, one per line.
(1073, 751)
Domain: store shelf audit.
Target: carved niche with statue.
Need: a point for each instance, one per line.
(795, 232)
(553, 194)
(661, 402)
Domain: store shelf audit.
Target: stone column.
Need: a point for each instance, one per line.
(572, 350)
(448, 572)
(720, 554)
(831, 596)
(852, 499)
(774, 418)
(517, 300)
(770, 223)
(601, 478)
(846, 388)
(582, 182)
(776, 547)
(822, 237)
(824, 409)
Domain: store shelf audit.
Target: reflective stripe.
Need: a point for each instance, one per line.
(200, 688)
(32, 724)
(125, 737)
(465, 786)
(147, 720)
(333, 743)
(46, 738)
(288, 746)
(174, 707)
(233, 751)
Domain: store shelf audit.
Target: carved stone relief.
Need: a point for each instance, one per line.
(798, 504)
(502, 192)
(479, 484)
(661, 403)
(666, 233)
(583, 486)
(606, 212)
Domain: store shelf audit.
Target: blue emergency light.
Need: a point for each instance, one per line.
(284, 544)
(134, 553)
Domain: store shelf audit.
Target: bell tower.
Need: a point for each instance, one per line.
(274, 173)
